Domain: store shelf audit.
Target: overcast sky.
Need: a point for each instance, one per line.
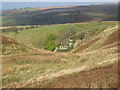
(60, 0)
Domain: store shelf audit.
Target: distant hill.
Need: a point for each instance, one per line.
(60, 15)
(57, 7)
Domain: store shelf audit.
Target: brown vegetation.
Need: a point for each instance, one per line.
(112, 46)
(101, 77)
(6, 40)
(96, 68)
(86, 45)
(112, 38)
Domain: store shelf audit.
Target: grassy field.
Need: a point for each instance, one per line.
(37, 36)
(37, 68)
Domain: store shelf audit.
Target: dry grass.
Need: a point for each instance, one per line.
(106, 77)
(36, 67)
(86, 45)
(112, 38)
(10, 46)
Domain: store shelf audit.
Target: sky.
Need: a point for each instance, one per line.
(60, 0)
(18, 5)
(12, 4)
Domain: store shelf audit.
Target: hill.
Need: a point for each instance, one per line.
(38, 68)
(105, 76)
(48, 16)
(37, 36)
(10, 46)
(96, 78)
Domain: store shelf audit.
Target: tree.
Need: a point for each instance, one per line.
(50, 43)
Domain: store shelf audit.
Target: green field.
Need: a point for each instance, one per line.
(37, 36)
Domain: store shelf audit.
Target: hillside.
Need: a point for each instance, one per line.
(96, 56)
(37, 36)
(61, 15)
(96, 78)
(10, 46)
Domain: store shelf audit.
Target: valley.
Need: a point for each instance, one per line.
(60, 47)
(36, 67)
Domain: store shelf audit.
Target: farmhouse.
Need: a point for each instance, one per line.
(68, 43)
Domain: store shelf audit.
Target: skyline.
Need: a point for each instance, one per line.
(59, 1)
